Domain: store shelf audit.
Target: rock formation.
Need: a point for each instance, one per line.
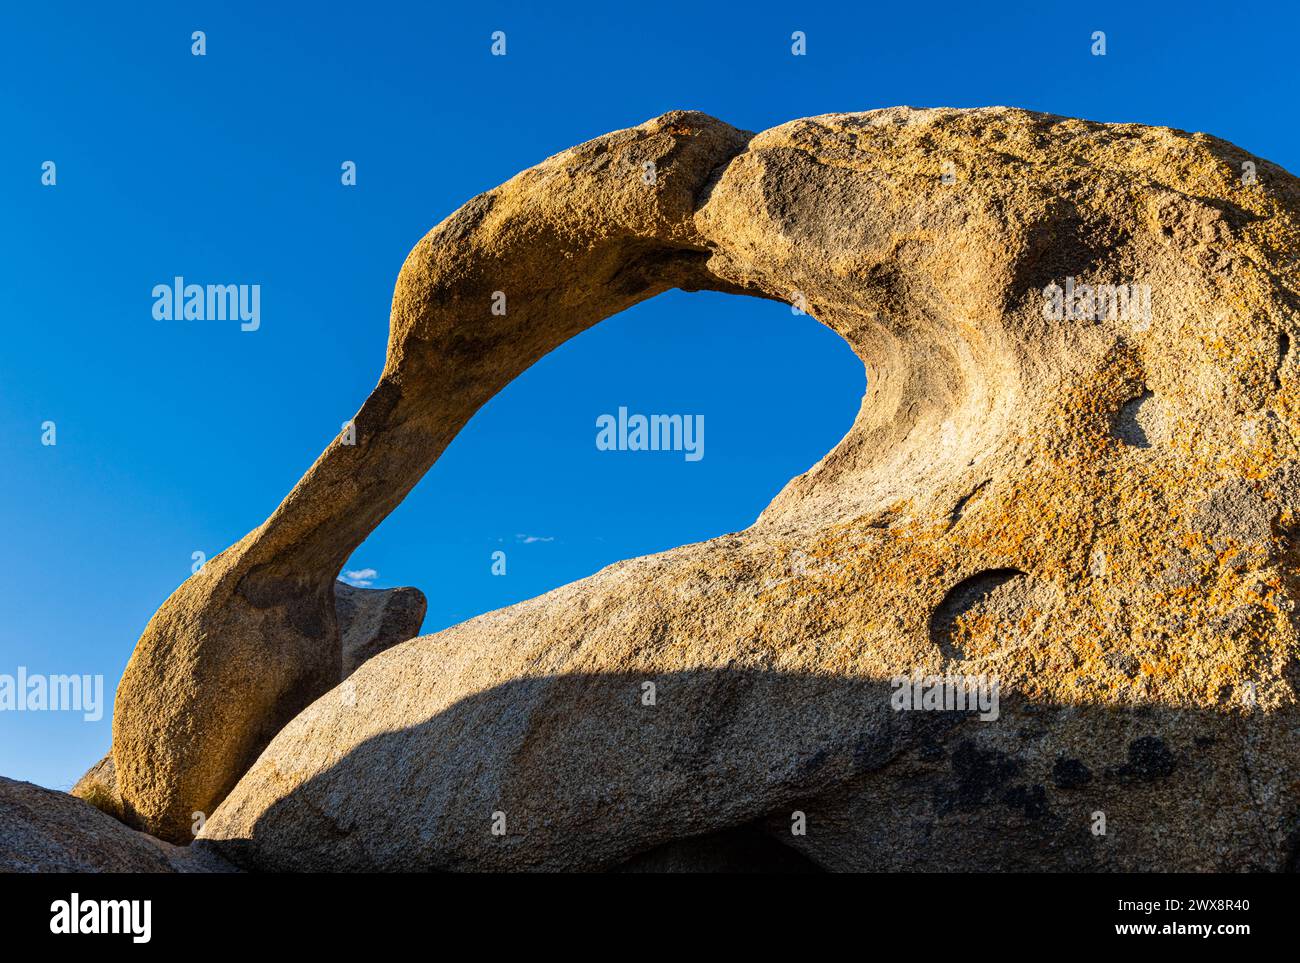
(1074, 472)
(43, 831)
(99, 788)
(578, 242)
(369, 620)
(372, 620)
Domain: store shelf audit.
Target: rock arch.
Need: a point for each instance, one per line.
(936, 286)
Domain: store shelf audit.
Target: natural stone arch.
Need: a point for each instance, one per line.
(969, 389)
(574, 240)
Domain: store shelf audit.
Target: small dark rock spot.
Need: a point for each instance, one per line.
(1030, 801)
(1124, 662)
(981, 775)
(1070, 773)
(1148, 759)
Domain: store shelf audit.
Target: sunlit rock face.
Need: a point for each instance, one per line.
(369, 621)
(1069, 495)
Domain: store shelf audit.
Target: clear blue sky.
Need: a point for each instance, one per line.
(176, 437)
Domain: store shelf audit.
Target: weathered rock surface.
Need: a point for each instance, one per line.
(43, 831)
(369, 620)
(1094, 507)
(99, 788)
(372, 620)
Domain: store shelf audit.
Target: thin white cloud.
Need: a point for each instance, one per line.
(361, 578)
(530, 539)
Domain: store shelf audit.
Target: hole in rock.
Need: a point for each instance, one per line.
(996, 592)
(1137, 421)
(774, 393)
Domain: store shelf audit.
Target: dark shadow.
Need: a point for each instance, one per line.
(747, 849)
(715, 774)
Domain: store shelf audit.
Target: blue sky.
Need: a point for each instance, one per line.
(175, 437)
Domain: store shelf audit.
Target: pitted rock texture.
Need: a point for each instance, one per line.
(43, 831)
(1149, 641)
